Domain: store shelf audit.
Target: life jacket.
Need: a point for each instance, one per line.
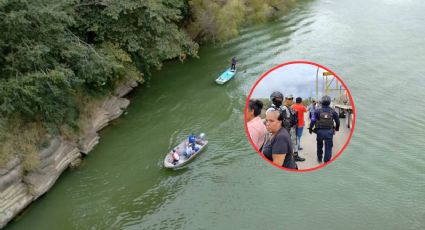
(325, 119)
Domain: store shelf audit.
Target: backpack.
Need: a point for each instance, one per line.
(294, 118)
(325, 120)
(291, 119)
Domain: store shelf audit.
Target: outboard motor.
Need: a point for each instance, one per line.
(202, 136)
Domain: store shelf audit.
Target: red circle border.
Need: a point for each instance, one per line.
(351, 101)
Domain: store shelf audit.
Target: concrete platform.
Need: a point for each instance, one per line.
(309, 144)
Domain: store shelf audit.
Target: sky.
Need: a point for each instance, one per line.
(297, 79)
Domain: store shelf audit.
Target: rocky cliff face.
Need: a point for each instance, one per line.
(18, 188)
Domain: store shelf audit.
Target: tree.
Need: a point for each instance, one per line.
(51, 51)
(222, 19)
(147, 30)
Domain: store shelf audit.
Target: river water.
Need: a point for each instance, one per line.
(377, 47)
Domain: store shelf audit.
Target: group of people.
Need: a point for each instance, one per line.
(192, 146)
(279, 139)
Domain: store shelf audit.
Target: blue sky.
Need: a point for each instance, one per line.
(296, 79)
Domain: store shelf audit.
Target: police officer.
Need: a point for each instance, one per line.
(192, 140)
(276, 98)
(324, 128)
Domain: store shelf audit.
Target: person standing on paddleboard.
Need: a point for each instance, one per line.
(233, 66)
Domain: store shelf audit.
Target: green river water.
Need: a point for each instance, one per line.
(377, 47)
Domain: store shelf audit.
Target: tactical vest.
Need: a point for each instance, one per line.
(325, 120)
(290, 117)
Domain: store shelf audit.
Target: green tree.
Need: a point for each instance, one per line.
(222, 19)
(147, 30)
(52, 50)
(54, 53)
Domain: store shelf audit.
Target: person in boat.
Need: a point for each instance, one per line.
(192, 140)
(233, 66)
(188, 152)
(201, 139)
(175, 156)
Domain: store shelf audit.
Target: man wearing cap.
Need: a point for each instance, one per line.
(292, 117)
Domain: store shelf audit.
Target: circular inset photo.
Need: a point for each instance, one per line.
(299, 116)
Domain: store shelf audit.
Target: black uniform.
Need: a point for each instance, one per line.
(325, 130)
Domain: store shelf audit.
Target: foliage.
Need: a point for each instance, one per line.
(147, 30)
(55, 52)
(52, 50)
(22, 139)
(57, 56)
(222, 19)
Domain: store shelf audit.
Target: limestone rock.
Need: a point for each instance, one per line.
(14, 194)
(114, 107)
(11, 174)
(18, 190)
(9, 166)
(101, 120)
(123, 90)
(13, 200)
(76, 163)
(88, 141)
(40, 180)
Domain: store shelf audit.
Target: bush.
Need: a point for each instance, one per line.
(221, 19)
(55, 52)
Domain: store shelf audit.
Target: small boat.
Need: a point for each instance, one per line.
(225, 76)
(200, 145)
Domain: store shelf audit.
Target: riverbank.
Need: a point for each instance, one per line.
(19, 188)
(122, 184)
(77, 60)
